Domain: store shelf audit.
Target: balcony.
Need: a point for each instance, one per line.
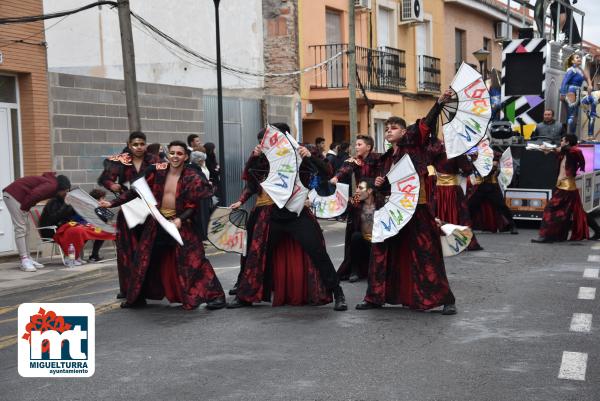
(429, 74)
(382, 70)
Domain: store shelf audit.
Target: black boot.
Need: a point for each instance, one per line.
(237, 303)
(541, 240)
(139, 303)
(449, 310)
(513, 229)
(596, 236)
(340, 299)
(121, 295)
(234, 290)
(364, 305)
(215, 304)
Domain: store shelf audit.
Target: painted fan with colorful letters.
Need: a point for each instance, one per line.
(467, 115)
(402, 202)
(283, 166)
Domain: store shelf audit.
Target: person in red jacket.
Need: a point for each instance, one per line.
(22, 195)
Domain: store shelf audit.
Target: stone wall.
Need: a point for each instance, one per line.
(280, 38)
(89, 120)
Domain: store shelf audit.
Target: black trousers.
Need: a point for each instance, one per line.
(491, 193)
(307, 232)
(360, 250)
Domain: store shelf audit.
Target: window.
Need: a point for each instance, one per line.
(423, 38)
(487, 45)
(8, 89)
(384, 27)
(459, 47)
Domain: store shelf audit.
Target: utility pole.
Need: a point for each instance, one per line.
(352, 72)
(131, 91)
(223, 179)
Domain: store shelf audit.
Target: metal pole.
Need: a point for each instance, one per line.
(352, 72)
(508, 27)
(131, 92)
(222, 170)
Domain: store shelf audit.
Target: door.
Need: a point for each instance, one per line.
(7, 236)
(423, 48)
(333, 38)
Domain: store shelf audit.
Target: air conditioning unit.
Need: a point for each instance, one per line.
(410, 11)
(501, 30)
(362, 4)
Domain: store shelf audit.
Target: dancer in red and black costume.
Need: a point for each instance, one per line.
(487, 205)
(161, 267)
(363, 166)
(119, 171)
(450, 201)
(359, 228)
(564, 211)
(408, 268)
(285, 253)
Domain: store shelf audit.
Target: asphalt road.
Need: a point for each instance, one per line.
(515, 300)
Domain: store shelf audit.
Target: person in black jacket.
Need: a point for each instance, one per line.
(70, 229)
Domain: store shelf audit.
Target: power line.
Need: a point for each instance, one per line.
(41, 17)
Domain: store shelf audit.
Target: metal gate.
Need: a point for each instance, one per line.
(242, 119)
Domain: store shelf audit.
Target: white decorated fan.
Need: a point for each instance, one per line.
(300, 193)
(401, 204)
(283, 166)
(456, 239)
(506, 169)
(85, 206)
(327, 207)
(227, 229)
(467, 116)
(485, 157)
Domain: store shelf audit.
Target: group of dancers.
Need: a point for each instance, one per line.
(286, 260)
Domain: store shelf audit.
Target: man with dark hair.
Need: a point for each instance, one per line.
(363, 165)
(320, 144)
(23, 194)
(119, 171)
(281, 239)
(332, 153)
(163, 268)
(408, 268)
(194, 143)
(549, 130)
(342, 156)
(357, 245)
(564, 211)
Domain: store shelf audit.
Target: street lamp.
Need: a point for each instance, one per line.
(482, 56)
(222, 182)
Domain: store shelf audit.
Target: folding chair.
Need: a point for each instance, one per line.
(35, 218)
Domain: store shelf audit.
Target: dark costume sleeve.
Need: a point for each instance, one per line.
(251, 185)
(130, 194)
(465, 165)
(345, 171)
(110, 174)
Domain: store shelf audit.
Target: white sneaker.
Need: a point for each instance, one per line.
(81, 261)
(27, 266)
(37, 265)
(76, 262)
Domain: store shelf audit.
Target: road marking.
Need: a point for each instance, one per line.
(215, 253)
(336, 245)
(591, 273)
(226, 268)
(593, 258)
(587, 293)
(581, 322)
(573, 366)
(596, 247)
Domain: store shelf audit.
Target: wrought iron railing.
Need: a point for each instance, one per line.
(430, 77)
(379, 70)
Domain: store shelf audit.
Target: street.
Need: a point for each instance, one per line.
(515, 301)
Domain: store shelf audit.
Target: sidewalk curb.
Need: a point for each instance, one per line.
(93, 271)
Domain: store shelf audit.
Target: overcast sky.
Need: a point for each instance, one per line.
(591, 27)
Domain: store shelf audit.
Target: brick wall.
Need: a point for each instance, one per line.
(281, 45)
(89, 120)
(28, 62)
